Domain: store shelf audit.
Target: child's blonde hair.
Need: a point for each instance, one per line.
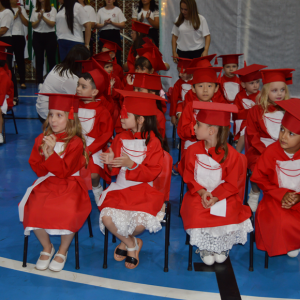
(263, 97)
(73, 129)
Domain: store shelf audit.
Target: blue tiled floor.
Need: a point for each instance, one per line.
(281, 280)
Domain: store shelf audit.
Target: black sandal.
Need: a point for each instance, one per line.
(120, 252)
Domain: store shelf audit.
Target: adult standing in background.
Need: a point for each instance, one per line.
(190, 33)
(18, 38)
(93, 19)
(44, 37)
(111, 20)
(69, 21)
(147, 12)
(6, 25)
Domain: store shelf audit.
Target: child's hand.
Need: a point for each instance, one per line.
(178, 116)
(174, 120)
(49, 144)
(112, 82)
(289, 200)
(212, 202)
(205, 197)
(148, 14)
(123, 161)
(107, 158)
(129, 79)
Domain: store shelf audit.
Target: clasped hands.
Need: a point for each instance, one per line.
(207, 199)
(48, 146)
(289, 200)
(118, 162)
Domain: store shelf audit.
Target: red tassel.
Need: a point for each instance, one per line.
(71, 113)
(124, 112)
(181, 70)
(219, 77)
(109, 87)
(245, 64)
(216, 61)
(192, 129)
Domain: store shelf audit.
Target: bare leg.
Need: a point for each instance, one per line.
(95, 179)
(240, 144)
(44, 239)
(64, 246)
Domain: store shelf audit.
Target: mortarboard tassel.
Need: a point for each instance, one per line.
(192, 129)
(71, 113)
(219, 77)
(124, 112)
(245, 64)
(181, 70)
(109, 87)
(216, 61)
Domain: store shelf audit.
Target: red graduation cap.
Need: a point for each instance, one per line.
(141, 104)
(208, 74)
(183, 63)
(202, 62)
(65, 102)
(99, 75)
(291, 118)
(250, 73)
(148, 43)
(272, 75)
(3, 46)
(140, 27)
(148, 81)
(154, 56)
(110, 45)
(214, 113)
(103, 56)
(3, 55)
(229, 59)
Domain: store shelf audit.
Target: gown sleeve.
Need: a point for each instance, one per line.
(186, 122)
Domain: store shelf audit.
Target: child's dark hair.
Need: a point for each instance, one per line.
(2, 63)
(153, 6)
(143, 62)
(138, 42)
(222, 136)
(150, 124)
(115, 3)
(158, 102)
(88, 77)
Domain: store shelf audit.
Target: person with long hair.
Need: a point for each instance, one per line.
(58, 203)
(62, 79)
(18, 38)
(190, 33)
(147, 11)
(6, 26)
(132, 204)
(44, 37)
(110, 20)
(211, 172)
(70, 19)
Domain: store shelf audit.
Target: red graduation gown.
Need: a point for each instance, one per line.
(141, 197)
(193, 214)
(277, 230)
(6, 87)
(225, 90)
(61, 201)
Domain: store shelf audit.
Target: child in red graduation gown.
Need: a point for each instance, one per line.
(264, 119)
(96, 121)
(230, 84)
(6, 90)
(244, 100)
(204, 85)
(277, 173)
(58, 203)
(212, 211)
(132, 204)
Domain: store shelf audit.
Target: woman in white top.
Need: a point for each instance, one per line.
(18, 38)
(190, 33)
(93, 19)
(62, 79)
(6, 26)
(111, 20)
(44, 37)
(70, 20)
(147, 12)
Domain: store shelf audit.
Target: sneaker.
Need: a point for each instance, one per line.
(220, 258)
(293, 253)
(207, 257)
(1, 138)
(253, 200)
(97, 191)
(175, 169)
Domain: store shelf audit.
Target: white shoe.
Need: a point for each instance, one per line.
(1, 138)
(293, 253)
(57, 266)
(44, 264)
(40, 86)
(253, 200)
(220, 258)
(207, 257)
(97, 191)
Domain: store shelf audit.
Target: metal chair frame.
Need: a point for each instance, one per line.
(8, 117)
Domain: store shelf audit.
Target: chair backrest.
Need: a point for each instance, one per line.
(242, 175)
(163, 182)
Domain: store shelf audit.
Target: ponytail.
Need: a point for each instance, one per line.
(222, 136)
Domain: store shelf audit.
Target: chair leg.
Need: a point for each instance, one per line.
(179, 152)
(190, 266)
(187, 239)
(114, 239)
(251, 251)
(246, 188)
(181, 195)
(266, 260)
(90, 226)
(104, 184)
(105, 248)
(25, 251)
(76, 251)
(167, 238)
(174, 136)
(14, 119)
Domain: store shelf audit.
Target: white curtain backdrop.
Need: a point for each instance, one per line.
(266, 31)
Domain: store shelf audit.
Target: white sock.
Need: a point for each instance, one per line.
(99, 186)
